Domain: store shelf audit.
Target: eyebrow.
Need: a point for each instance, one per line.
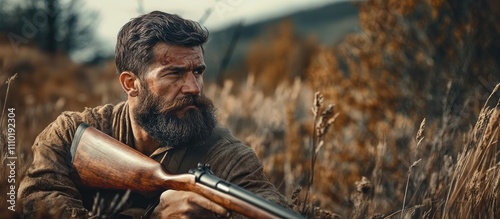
(182, 68)
(201, 67)
(173, 68)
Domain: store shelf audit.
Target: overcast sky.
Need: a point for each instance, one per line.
(114, 14)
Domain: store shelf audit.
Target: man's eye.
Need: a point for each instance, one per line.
(198, 72)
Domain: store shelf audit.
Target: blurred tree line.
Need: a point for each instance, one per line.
(52, 25)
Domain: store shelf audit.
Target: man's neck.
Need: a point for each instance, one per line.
(144, 143)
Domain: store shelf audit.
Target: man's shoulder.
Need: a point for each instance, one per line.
(229, 156)
(227, 143)
(92, 115)
(223, 134)
(106, 109)
(99, 117)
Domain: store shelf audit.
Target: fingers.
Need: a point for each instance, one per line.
(207, 204)
(188, 204)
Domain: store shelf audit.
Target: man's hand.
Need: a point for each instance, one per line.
(181, 204)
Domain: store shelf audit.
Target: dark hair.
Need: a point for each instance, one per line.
(136, 39)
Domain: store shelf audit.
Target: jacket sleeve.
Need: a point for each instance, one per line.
(47, 189)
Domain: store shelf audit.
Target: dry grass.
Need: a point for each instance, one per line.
(474, 190)
(428, 160)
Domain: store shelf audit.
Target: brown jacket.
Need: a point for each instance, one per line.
(49, 187)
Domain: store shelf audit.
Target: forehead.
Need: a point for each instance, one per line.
(165, 54)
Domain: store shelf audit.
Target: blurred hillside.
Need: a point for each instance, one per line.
(326, 25)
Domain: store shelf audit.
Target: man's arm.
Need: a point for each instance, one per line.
(237, 163)
(47, 187)
(247, 171)
(244, 169)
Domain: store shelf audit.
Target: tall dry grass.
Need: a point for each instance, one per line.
(474, 186)
(421, 189)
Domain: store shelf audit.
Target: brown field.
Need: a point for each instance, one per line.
(413, 131)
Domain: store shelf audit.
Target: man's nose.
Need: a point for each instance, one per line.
(192, 84)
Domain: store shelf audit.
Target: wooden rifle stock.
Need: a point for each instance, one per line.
(104, 162)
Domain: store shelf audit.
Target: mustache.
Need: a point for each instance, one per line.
(180, 103)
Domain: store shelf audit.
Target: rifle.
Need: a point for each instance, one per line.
(101, 161)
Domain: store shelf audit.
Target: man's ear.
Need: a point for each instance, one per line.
(130, 83)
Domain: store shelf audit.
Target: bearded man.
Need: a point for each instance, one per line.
(159, 59)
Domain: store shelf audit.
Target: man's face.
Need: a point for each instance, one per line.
(172, 108)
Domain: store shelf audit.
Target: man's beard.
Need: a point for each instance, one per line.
(161, 121)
